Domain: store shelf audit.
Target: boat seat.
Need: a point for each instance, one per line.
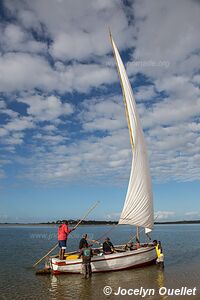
(72, 256)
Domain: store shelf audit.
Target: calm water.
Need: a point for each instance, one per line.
(22, 246)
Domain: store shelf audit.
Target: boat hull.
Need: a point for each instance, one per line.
(106, 263)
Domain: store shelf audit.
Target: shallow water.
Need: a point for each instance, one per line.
(22, 246)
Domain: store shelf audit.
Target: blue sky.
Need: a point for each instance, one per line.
(64, 141)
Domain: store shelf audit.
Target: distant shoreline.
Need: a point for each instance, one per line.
(180, 222)
(92, 222)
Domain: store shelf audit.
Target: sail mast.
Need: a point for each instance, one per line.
(138, 233)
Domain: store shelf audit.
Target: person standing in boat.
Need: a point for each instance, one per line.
(86, 254)
(63, 232)
(108, 247)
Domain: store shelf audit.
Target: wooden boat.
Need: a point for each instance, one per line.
(110, 262)
(138, 206)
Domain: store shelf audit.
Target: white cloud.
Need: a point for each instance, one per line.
(164, 215)
(174, 42)
(193, 214)
(50, 159)
(171, 113)
(22, 71)
(113, 216)
(173, 149)
(66, 55)
(59, 34)
(14, 34)
(49, 139)
(16, 138)
(28, 19)
(67, 46)
(145, 93)
(68, 33)
(196, 79)
(12, 129)
(19, 124)
(103, 114)
(19, 71)
(61, 22)
(46, 108)
(4, 110)
(14, 38)
(49, 128)
(3, 131)
(86, 159)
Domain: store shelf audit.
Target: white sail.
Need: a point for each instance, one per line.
(138, 206)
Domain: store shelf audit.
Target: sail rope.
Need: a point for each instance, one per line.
(113, 227)
(102, 236)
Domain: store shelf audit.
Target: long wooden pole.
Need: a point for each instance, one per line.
(55, 246)
(85, 216)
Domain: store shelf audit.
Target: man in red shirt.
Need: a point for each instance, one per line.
(63, 232)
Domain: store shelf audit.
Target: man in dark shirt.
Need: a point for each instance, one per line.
(83, 241)
(108, 247)
(86, 254)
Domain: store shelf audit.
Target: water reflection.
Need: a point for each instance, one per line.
(76, 287)
(71, 287)
(54, 286)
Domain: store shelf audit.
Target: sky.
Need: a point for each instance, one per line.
(64, 141)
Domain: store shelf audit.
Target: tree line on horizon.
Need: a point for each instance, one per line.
(102, 222)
